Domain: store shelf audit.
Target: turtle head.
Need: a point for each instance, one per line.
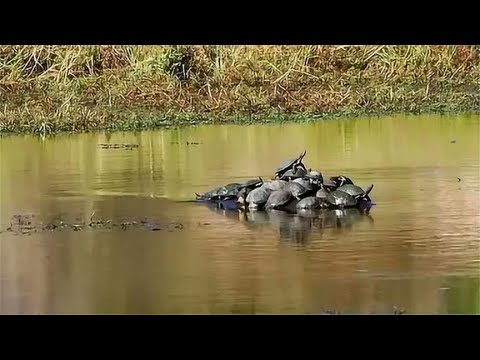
(299, 162)
(199, 197)
(300, 158)
(367, 192)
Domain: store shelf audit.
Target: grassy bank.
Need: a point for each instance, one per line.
(45, 89)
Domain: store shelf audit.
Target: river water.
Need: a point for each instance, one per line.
(150, 251)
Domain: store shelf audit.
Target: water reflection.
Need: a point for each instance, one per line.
(294, 228)
(417, 249)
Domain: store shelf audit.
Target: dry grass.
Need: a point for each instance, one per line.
(47, 89)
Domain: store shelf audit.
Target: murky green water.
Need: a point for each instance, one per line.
(418, 250)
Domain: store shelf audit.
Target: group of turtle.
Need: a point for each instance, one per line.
(292, 188)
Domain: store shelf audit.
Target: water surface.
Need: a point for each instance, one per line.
(419, 248)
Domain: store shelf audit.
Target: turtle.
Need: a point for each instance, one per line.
(329, 184)
(322, 193)
(307, 184)
(341, 199)
(252, 184)
(294, 174)
(297, 190)
(304, 182)
(315, 177)
(257, 198)
(275, 185)
(229, 191)
(209, 195)
(278, 199)
(341, 180)
(356, 191)
(308, 203)
(290, 164)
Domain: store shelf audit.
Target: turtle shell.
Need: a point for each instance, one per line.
(310, 202)
(253, 183)
(275, 185)
(258, 197)
(322, 194)
(278, 199)
(351, 189)
(304, 182)
(296, 189)
(341, 199)
(290, 174)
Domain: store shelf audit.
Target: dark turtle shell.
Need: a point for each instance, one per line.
(278, 199)
(341, 199)
(257, 197)
(310, 202)
(296, 189)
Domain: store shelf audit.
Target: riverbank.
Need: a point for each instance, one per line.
(49, 89)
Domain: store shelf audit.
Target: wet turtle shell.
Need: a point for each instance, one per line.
(305, 183)
(275, 185)
(297, 190)
(322, 193)
(341, 199)
(278, 199)
(310, 202)
(354, 190)
(257, 198)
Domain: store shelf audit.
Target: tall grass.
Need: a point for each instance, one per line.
(46, 89)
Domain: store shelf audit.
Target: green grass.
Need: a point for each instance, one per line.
(48, 89)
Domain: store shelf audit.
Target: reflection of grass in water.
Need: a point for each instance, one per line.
(75, 88)
(463, 297)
